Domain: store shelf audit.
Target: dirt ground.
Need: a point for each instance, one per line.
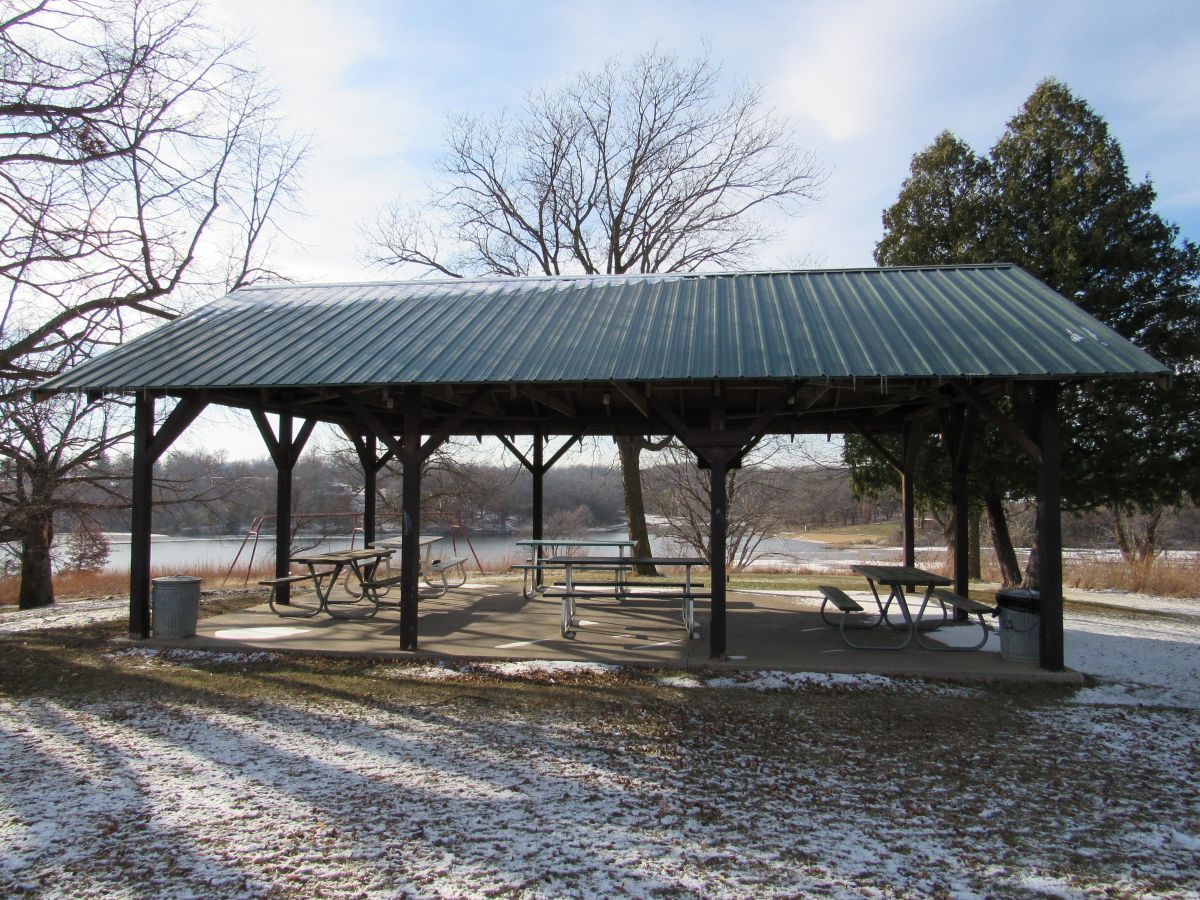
(135, 773)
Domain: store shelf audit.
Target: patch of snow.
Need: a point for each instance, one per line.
(680, 681)
(207, 657)
(537, 667)
(436, 672)
(65, 614)
(768, 680)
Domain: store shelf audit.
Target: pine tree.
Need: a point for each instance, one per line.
(1054, 196)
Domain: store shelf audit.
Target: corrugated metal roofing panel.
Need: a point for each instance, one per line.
(955, 321)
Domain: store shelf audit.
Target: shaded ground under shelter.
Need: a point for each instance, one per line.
(717, 360)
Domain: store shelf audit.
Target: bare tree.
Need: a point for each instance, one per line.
(133, 142)
(756, 504)
(140, 166)
(645, 167)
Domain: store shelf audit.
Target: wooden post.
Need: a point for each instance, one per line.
(717, 541)
(538, 472)
(410, 552)
(1050, 529)
(283, 509)
(909, 459)
(370, 471)
(962, 536)
(139, 547)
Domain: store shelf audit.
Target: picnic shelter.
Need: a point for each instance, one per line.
(718, 360)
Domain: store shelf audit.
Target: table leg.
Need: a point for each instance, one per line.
(920, 624)
(879, 605)
(356, 571)
(689, 604)
(323, 596)
(567, 613)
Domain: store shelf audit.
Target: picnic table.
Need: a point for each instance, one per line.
(426, 542)
(430, 567)
(542, 551)
(686, 592)
(899, 580)
(323, 571)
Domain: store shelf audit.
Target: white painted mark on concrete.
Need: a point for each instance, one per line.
(812, 629)
(269, 633)
(737, 657)
(518, 644)
(657, 644)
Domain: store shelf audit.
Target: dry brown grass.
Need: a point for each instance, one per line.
(101, 584)
(1164, 577)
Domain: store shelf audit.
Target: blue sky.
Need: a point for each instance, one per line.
(865, 84)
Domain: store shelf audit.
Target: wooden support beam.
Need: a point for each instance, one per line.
(283, 507)
(180, 418)
(638, 401)
(370, 487)
(959, 425)
(877, 445)
(439, 435)
(989, 411)
(515, 451)
(552, 401)
(718, 540)
(1049, 529)
(285, 450)
(139, 544)
(410, 552)
(912, 438)
(538, 475)
(148, 447)
(558, 454)
(371, 423)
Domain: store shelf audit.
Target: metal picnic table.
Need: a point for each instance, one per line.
(361, 565)
(531, 575)
(569, 623)
(899, 579)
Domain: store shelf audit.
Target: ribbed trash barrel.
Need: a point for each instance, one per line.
(1020, 624)
(175, 603)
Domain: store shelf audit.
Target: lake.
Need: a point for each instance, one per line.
(494, 550)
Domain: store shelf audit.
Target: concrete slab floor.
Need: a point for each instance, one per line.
(481, 621)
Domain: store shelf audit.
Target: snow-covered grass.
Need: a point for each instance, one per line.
(191, 773)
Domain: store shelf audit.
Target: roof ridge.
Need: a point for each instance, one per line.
(623, 276)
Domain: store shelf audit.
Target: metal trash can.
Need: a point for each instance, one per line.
(175, 606)
(1020, 624)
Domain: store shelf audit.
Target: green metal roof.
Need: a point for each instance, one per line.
(942, 322)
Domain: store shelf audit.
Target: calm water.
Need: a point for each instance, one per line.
(493, 551)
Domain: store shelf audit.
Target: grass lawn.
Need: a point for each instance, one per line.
(222, 774)
(876, 534)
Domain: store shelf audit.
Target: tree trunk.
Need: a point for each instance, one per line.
(948, 534)
(1006, 556)
(974, 564)
(1032, 580)
(630, 449)
(1137, 548)
(37, 585)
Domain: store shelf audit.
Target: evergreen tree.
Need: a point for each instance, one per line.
(1067, 211)
(1054, 196)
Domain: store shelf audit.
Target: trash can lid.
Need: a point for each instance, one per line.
(1022, 599)
(174, 579)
